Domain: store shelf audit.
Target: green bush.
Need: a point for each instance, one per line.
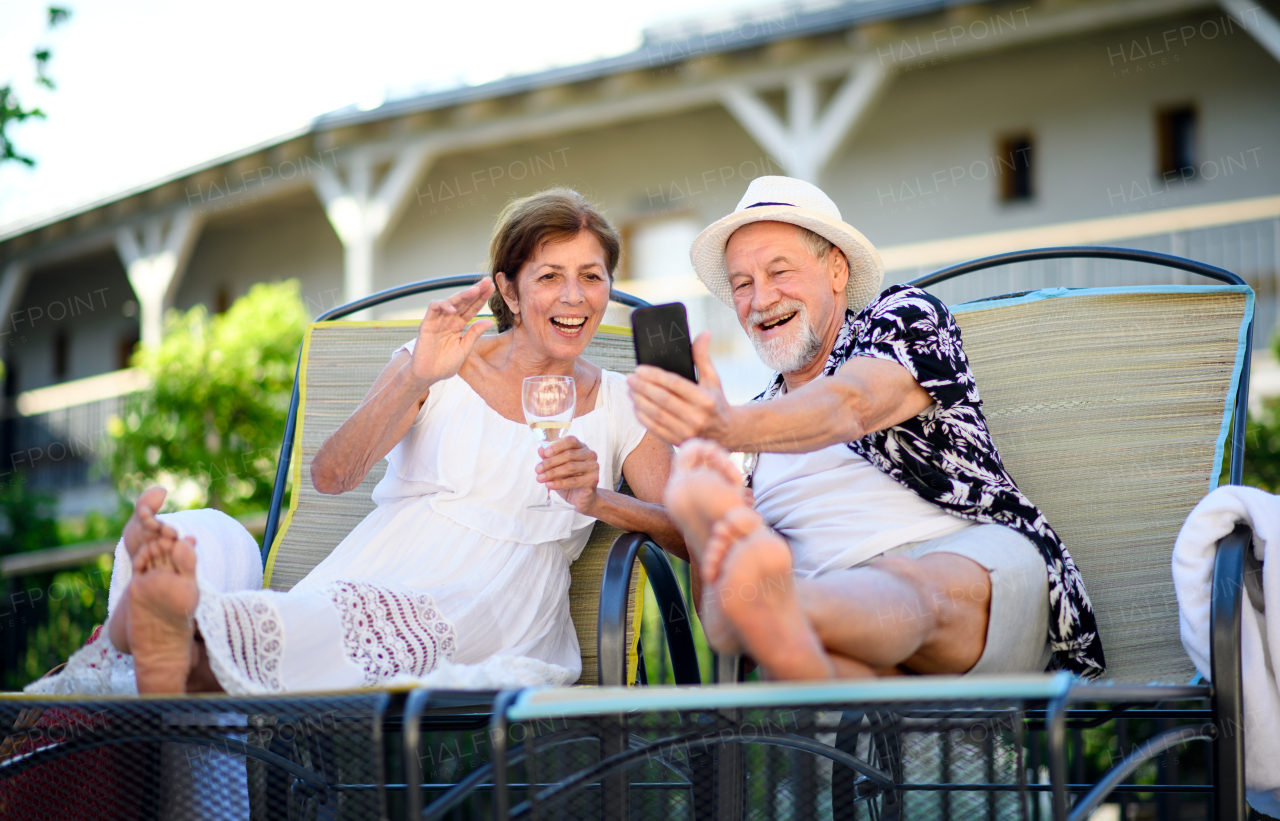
(210, 425)
(44, 617)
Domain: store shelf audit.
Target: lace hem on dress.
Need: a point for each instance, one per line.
(389, 633)
(244, 637)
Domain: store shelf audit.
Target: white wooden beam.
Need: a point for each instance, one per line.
(844, 113)
(362, 213)
(13, 284)
(155, 255)
(1256, 20)
(760, 122)
(805, 144)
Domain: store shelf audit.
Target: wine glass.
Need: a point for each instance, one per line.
(549, 402)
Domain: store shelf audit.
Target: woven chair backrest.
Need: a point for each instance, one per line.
(339, 362)
(1110, 408)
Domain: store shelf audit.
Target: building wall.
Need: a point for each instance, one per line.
(89, 303)
(909, 173)
(267, 241)
(1094, 128)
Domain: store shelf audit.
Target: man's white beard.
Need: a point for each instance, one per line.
(791, 351)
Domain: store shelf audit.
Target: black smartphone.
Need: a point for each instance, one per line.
(661, 337)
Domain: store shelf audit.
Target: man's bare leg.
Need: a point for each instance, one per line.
(756, 592)
(837, 624)
(703, 488)
(928, 615)
(162, 600)
(749, 592)
(141, 527)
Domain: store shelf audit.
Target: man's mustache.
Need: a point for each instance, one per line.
(757, 318)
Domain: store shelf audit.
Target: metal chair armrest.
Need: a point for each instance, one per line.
(1224, 661)
(611, 627)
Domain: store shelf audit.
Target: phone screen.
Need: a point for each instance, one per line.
(661, 336)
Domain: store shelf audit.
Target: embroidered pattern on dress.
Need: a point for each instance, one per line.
(247, 625)
(390, 633)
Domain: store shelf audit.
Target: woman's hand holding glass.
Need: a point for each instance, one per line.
(444, 340)
(571, 469)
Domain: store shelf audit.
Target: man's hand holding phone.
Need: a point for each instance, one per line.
(675, 409)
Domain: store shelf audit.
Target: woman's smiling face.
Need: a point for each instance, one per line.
(563, 293)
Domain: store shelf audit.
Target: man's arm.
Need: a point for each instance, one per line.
(865, 395)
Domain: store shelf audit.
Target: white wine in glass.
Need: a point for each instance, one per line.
(549, 402)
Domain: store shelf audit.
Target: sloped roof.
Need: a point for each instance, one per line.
(662, 45)
(665, 45)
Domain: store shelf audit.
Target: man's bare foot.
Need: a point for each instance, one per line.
(162, 599)
(704, 486)
(736, 524)
(756, 594)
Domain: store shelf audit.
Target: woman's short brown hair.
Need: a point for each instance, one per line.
(526, 224)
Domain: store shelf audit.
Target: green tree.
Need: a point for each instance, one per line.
(11, 110)
(1262, 443)
(210, 425)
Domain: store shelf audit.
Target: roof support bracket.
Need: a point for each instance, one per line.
(1255, 19)
(155, 254)
(362, 210)
(807, 141)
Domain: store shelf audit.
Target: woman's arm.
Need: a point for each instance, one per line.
(369, 434)
(388, 410)
(570, 467)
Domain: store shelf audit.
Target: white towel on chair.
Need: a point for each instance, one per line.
(1193, 557)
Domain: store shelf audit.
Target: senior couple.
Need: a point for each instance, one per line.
(878, 532)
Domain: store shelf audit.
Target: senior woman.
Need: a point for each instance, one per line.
(452, 579)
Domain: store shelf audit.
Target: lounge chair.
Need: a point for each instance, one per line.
(1079, 387)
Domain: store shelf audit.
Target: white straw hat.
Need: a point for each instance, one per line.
(784, 199)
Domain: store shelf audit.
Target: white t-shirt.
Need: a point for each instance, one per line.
(838, 510)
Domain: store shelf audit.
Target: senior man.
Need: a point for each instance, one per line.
(886, 535)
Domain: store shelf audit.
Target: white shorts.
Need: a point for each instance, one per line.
(1018, 625)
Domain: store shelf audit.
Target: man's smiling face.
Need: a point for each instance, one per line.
(786, 299)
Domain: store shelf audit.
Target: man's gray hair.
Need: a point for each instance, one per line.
(815, 244)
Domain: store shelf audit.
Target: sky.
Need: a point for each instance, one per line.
(147, 88)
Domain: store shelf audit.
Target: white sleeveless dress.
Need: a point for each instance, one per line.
(450, 582)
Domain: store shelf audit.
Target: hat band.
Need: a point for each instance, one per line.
(762, 204)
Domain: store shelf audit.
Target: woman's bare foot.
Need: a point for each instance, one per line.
(756, 594)
(162, 599)
(141, 527)
(143, 524)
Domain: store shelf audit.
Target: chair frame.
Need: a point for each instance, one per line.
(1226, 694)
(1055, 711)
(1225, 698)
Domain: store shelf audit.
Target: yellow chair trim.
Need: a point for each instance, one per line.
(637, 623)
(295, 458)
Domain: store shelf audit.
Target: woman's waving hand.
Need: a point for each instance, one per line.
(388, 410)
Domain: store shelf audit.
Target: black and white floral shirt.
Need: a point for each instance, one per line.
(946, 454)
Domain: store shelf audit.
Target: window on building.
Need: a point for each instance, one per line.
(1176, 130)
(1014, 158)
(61, 356)
(222, 300)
